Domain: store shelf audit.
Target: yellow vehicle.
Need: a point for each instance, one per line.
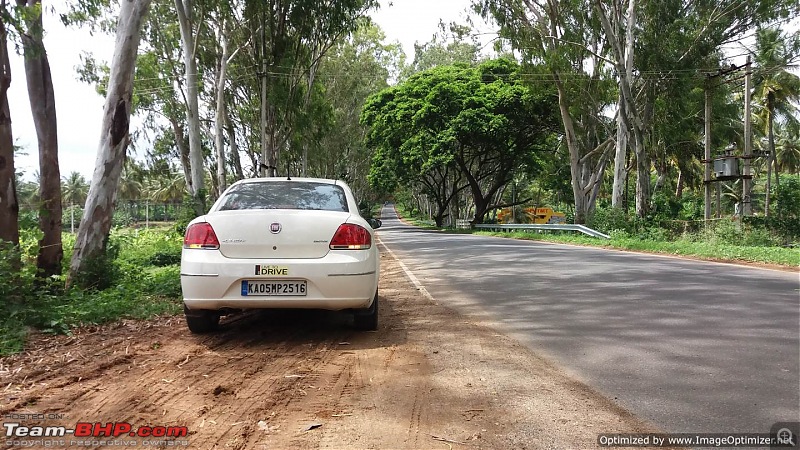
(546, 215)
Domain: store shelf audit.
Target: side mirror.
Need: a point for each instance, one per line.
(375, 223)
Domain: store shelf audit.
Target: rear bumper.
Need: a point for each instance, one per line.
(341, 280)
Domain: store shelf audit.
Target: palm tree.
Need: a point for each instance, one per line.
(167, 189)
(787, 152)
(73, 191)
(74, 188)
(776, 89)
(129, 188)
(163, 189)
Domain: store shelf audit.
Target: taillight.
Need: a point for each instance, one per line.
(201, 235)
(350, 236)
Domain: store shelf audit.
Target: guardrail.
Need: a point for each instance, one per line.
(543, 226)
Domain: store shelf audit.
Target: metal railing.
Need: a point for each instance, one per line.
(543, 226)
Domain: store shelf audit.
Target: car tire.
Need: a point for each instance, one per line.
(201, 320)
(367, 319)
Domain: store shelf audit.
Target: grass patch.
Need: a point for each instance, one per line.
(145, 282)
(717, 251)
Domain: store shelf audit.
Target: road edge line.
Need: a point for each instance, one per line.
(417, 284)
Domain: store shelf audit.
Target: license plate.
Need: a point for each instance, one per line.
(282, 288)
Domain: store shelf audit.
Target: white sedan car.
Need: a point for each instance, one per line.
(280, 243)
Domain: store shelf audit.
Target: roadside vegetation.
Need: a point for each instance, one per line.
(757, 240)
(140, 278)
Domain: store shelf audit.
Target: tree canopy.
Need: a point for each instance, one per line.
(467, 127)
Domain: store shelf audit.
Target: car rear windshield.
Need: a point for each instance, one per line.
(285, 195)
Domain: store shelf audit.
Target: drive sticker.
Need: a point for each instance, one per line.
(271, 270)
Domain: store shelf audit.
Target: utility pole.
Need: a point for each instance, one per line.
(747, 181)
(707, 157)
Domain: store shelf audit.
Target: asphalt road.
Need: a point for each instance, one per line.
(691, 346)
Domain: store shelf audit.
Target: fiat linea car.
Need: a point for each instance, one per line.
(280, 243)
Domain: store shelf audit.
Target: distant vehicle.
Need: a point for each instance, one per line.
(532, 215)
(280, 243)
(546, 215)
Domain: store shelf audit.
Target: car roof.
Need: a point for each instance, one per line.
(298, 179)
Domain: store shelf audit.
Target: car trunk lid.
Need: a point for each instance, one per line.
(259, 234)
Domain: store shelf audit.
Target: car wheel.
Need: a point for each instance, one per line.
(367, 319)
(201, 320)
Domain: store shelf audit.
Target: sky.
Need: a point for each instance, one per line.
(79, 108)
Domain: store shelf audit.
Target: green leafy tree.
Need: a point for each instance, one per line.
(482, 121)
(564, 38)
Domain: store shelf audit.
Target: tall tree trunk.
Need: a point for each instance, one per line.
(183, 151)
(264, 169)
(230, 128)
(623, 62)
(43, 107)
(621, 158)
(185, 10)
(219, 116)
(770, 159)
(643, 193)
(586, 175)
(680, 184)
(95, 226)
(9, 206)
(620, 162)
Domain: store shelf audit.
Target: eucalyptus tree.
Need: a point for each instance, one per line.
(159, 86)
(9, 206)
(224, 26)
(90, 243)
(619, 28)
(42, 100)
(292, 38)
(450, 45)
(353, 69)
(565, 38)
(191, 19)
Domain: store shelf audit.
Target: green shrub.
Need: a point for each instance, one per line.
(138, 277)
(785, 219)
(605, 219)
(151, 247)
(164, 258)
(164, 281)
(101, 271)
(729, 232)
(10, 275)
(122, 218)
